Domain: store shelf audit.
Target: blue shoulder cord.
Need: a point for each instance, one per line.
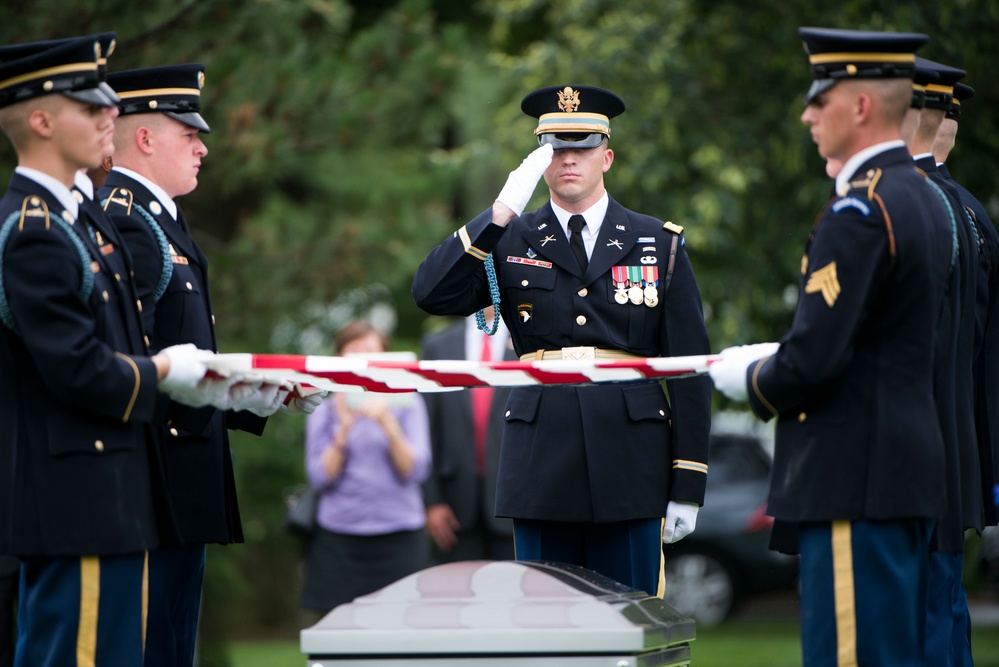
(86, 275)
(953, 222)
(161, 239)
(494, 294)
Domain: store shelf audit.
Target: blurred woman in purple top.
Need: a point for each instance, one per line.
(366, 454)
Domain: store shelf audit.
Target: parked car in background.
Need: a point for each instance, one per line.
(727, 557)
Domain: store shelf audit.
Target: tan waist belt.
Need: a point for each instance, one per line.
(577, 353)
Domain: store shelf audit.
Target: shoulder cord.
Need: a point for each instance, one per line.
(494, 294)
(953, 222)
(161, 239)
(86, 275)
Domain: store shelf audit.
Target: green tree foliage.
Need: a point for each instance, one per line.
(350, 137)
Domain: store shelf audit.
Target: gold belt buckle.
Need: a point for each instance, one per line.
(579, 353)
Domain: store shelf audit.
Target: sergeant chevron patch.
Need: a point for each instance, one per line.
(824, 280)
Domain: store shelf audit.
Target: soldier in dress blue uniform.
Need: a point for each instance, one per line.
(947, 631)
(588, 474)
(986, 368)
(859, 458)
(947, 634)
(80, 501)
(157, 158)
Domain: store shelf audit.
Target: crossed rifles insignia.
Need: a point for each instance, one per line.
(825, 281)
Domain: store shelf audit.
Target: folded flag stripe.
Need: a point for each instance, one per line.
(379, 375)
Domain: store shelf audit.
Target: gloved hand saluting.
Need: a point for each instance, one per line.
(680, 520)
(729, 372)
(523, 180)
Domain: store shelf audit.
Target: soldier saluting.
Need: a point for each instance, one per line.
(588, 474)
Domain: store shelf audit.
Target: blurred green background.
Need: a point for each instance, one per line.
(351, 136)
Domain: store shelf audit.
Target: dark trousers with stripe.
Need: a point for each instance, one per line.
(863, 593)
(629, 552)
(948, 623)
(175, 579)
(82, 612)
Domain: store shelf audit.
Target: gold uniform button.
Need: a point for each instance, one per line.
(189, 286)
(581, 320)
(117, 277)
(507, 414)
(582, 292)
(99, 445)
(213, 320)
(802, 417)
(662, 413)
(525, 282)
(174, 432)
(105, 295)
(138, 303)
(146, 338)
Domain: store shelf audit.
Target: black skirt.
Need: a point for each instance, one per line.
(341, 567)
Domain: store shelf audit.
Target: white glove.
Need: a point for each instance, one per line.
(187, 367)
(680, 520)
(522, 181)
(299, 404)
(263, 400)
(729, 372)
(214, 391)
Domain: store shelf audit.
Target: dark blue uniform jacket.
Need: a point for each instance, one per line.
(599, 453)
(858, 436)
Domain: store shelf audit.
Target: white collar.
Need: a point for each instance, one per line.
(850, 166)
(594, 216)
(84, 184)
(158, 192)
(56, 187)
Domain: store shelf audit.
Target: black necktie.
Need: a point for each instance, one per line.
(576, 224)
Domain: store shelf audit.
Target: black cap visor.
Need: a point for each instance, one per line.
(192, 119)
(818, 87)
(97, 96)
(574, 140)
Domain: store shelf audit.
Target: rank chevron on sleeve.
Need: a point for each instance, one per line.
(388, 376)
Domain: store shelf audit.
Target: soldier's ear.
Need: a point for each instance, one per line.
(41, 122)
(144, 139)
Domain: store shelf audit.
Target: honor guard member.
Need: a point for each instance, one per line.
(586, 473)
(977, 510)
(80, 492)
(859, 456)
(158, 155)
(986, 370)
(947, 630)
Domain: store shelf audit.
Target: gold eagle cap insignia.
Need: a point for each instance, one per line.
(825, 282)
(568, 99)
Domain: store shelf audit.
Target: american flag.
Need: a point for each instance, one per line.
(386, 375)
